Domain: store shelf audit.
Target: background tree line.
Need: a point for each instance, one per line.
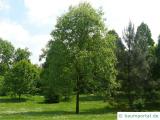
(17, 74)
(82, 57)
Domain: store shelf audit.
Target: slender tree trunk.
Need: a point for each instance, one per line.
(77, 103)
(129, 83)
(19, 97)
(130, 97)
(77, 96)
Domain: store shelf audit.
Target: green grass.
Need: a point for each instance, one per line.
(33, 108)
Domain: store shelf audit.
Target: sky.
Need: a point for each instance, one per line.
(28, 23)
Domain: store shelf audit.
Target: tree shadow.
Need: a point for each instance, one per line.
(40, 113)
(93, 111)
(152, 106)
(45, 102)
(12, 100)
(90, 98)
(104, 110)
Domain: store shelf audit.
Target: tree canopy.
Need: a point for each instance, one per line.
(20, 79)
(80, 52)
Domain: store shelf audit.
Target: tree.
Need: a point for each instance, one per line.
(154, 91)
(138, 65)
(21, 54)
(145, 60)
(144, 31)
(81, 50)
(120, 55)
(129, 37)
(156, 70)
(120, 66)
(2, 91)
(6, 55)
(143, 44)
(56, 66)
(20, 79)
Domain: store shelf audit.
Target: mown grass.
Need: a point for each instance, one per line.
(33, 108)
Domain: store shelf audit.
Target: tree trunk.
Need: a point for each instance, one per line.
(19, 97)
(77, 96)
(130, 96)
(77, 103)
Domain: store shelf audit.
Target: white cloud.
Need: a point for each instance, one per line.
(3, 5)
(20, 37)
(45, 12)
(38, 42)
(117, 12)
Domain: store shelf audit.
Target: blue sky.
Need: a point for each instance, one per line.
(28, 23)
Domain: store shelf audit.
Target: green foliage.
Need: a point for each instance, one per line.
(128, 82)
(146, 53)
(20, 79)
(154, 91)
(105, 72)
(120, 55)
(2, 89)
(156, 54)
(57, 73)
(137, 85)
(121, 69)
(83, 57)
(80, 53)
(6, 51)
(144, 32)
(21, 54)
(6, 55)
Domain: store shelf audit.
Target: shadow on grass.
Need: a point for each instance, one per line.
(60, 113)
(12, 100)
(45, 102)
(153, 106)
(82, 98)
(105, 110)
(90, 98)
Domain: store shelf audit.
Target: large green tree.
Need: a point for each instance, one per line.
(80, 51)
(139, 59)
(143, 44)
(146, 60)
(128, 82)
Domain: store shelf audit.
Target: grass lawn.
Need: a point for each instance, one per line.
(33, 108)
